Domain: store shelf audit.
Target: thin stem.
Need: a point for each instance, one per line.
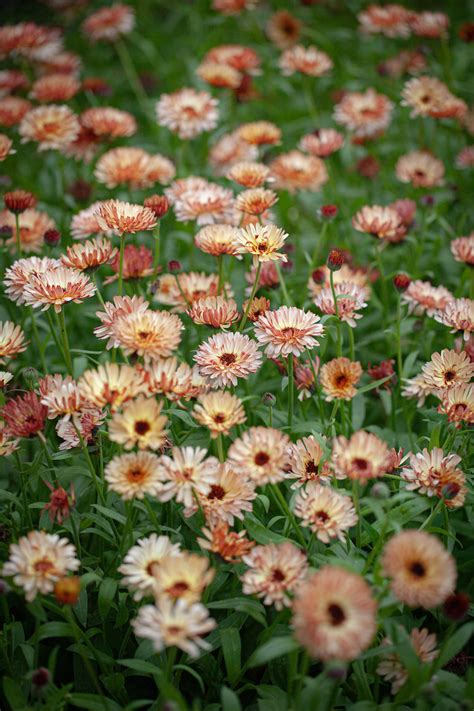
(220, 270)
(99, 295)
(156, 251)
(120, 274)
(351, 342)
(220, 447)
(65, 340)
(252, 296)
(23, 489)
(53, 329)
(399, 345)
(18, 234)
(291, 389)
(285, 509)
(131, 74)
(319, 246)
(383, 281)
(44, 444)
(38, 342)
(355, 496)
(151, 513)
(284, 290)
(336, 310)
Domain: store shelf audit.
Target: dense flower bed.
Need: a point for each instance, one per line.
(236, 332)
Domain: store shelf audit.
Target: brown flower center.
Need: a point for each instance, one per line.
(418, 569)
(261, 458)
(336, 614)
(142, 427)
(44, 565)
(341, 381)
(311, 467)
(219, 417)
(277, 576)
(227, 358)
(178, 589)
(449, 375)
(136, 475)
(152, 567)
(216, 492)
(322, 516)
(360, 464)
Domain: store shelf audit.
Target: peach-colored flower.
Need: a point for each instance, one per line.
(405, 62)
(422, 297)
(283, 29)
(307, 60)
(262, 454)
(52, 127)
(350, 299)
(230, 495)
(124, 217)
(13, 109)
(106, 121)
(57, 288)
(140, 423)
(181, 290)
(458, 314)
(364, 456)
(20, 273)
(12, 80)
(86, 422)
(262, 241)
(462, 249)
(209, 205)
(391, 20)
(421, 169)
(238, 56)
(217, 239)
(24, 416)
(183, 577)
(149, 334)
(338, 377)
(334, 614)
(172, 379)
(319, 278)
(85, 223)
(307, 463)
(134, 475)
(321, 143)
(109, 23)
(134, 167)
(219, 411)
(430, 24)
(327, 512)
(224, 358)
(214, 311)
(428, 96)
(89, 255)
(143, 560)
(249, 174)
(187, 472)
(120, 306)
(448, 369)
(274, 572)
(229, 150)
(137, 263)
(6, 148)
(392, 669)
(465, 157)
(55, 88)
(111, 385)
(255, 201)
(435, 474)
(228, 545)
(458, 404)
(219, 75)
(298, 171)
(288, 330)
(27, 39)
(258, 133)
(33, 224)
(422, 571)
(367, 113)
(187, 112)
(63, 400)
(382, 222)
(12, 340)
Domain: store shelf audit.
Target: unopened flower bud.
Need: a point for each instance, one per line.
(318, 276)
(18, 201)
(380, 490)
(456, 606)
(81, 190)
(336, 259)
(269, 399)
(174, 267)
(6, 232)
(159, 204)
(329, 212)
(450, 490)
(67, 590)
(30, 375)
(52, 237)
(401, 282)
(40, 678)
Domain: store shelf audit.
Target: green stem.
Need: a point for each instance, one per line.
(399, 343)
(319, 246)
(44, 444)
(291, 389)
(336, 310)
(99, 295)
(131, 74)
(38, 342)
(156, 251)
(220, 447)
(252, 296)
(284, 290)
(23, 489)
(285, 509)
(351, 342)
(152, 514)
(65, 340)
(120, 274)
(18, 234)
(220, 270)
(383, 281)
(355, 496)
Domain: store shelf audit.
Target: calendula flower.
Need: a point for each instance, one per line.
(249, 174)
(38, 560)
(59, 504)
(462, 249)
(85, 223)
(422, 297)
(391, 20)
(458, 404)
(55, 88)
(218, 239)
(12, 80)
(464, 159)
(174, 624)
(338, 377)
(186, 473)
(228, 545)
(17, 201)
(12, 110)
(320, 280)
(183, 577)
(417, 387)
(219, 75)
(133, 167)
(8, 445)
(89, 255)
(238, 56)
(57, 288)
(274, 572)
(219, 411)
(230, 495)
(24, 415)
(120, 306)
(421, 169)
(170, 378)
(134, 475)
(259, 133)
(255, 201)
(428, 96)
(214, 311)
(334, 614)
(421, 570)
(64, 400)
(6, 147)
(27, 39)
(142, 561)
(429, 24)
(262, 454)
(404, 62)
(294, 171)
(109, 23)
(283, 29)
(306, 462)
(392, 669)
(5, 378)
(434, 474)
(124, 217)
(458, 314)
(367, 114)
(85, 422)
(51, 127)
(139, 424)
(288, 330)
(263, 242)
(33, 225)
(12, 340)
(364, 456)
(137, 263)
(327, 512)
(150, 334)
(107, 121)
(224, 358)
(382, 222)
(447, 369)
(307, 60)
(350, 299)
(210, 205)
(230, 150)
(322, 143)
(111, 384)
(187, 112)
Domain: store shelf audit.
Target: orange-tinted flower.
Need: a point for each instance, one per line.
(322, 142)
(249, 174)
(187, 112)
(255, 201)
(134, 167)
(55, 88)
(297, 171)
(208, 205)
(137, 263)
(288, 330)
(260, 133)
(364, 456)
(338, 378)
(12, 110)
(124, 217)
(429, 24)
(262, 454)
(428, 96)
(458, 404)
(274, 573)
(27, 39)
(421, 169)
(217, 239)
(391, 20)
(149, 334)
(350, 299)
(134, 475)
(392, 669)
(307, 60)
(382, 222)
(224, 358)
(187, 473)
(109, 23)
(214, 311)
(33, 225)
(219, 75)
(89, 255)
(219, 411)
(327, 512)
(106, 121)
(229, 150)
(12, 340)
(422, 297)
(111, 385)
(52, 127)
(24, 416)
(228, 545)
(67, 590)
(458, 314)
(58, 288)
(283, 29)
(367, 114)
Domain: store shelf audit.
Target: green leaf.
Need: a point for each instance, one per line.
(373, 385)
(455, 644)
(230, 700)
(231, 648)
(14, 694)
(93, 702)
(109, 513)
(241, 604)
(140, 665)
(107, 592)
(260, 533)
(55, 629)
(277, 647)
